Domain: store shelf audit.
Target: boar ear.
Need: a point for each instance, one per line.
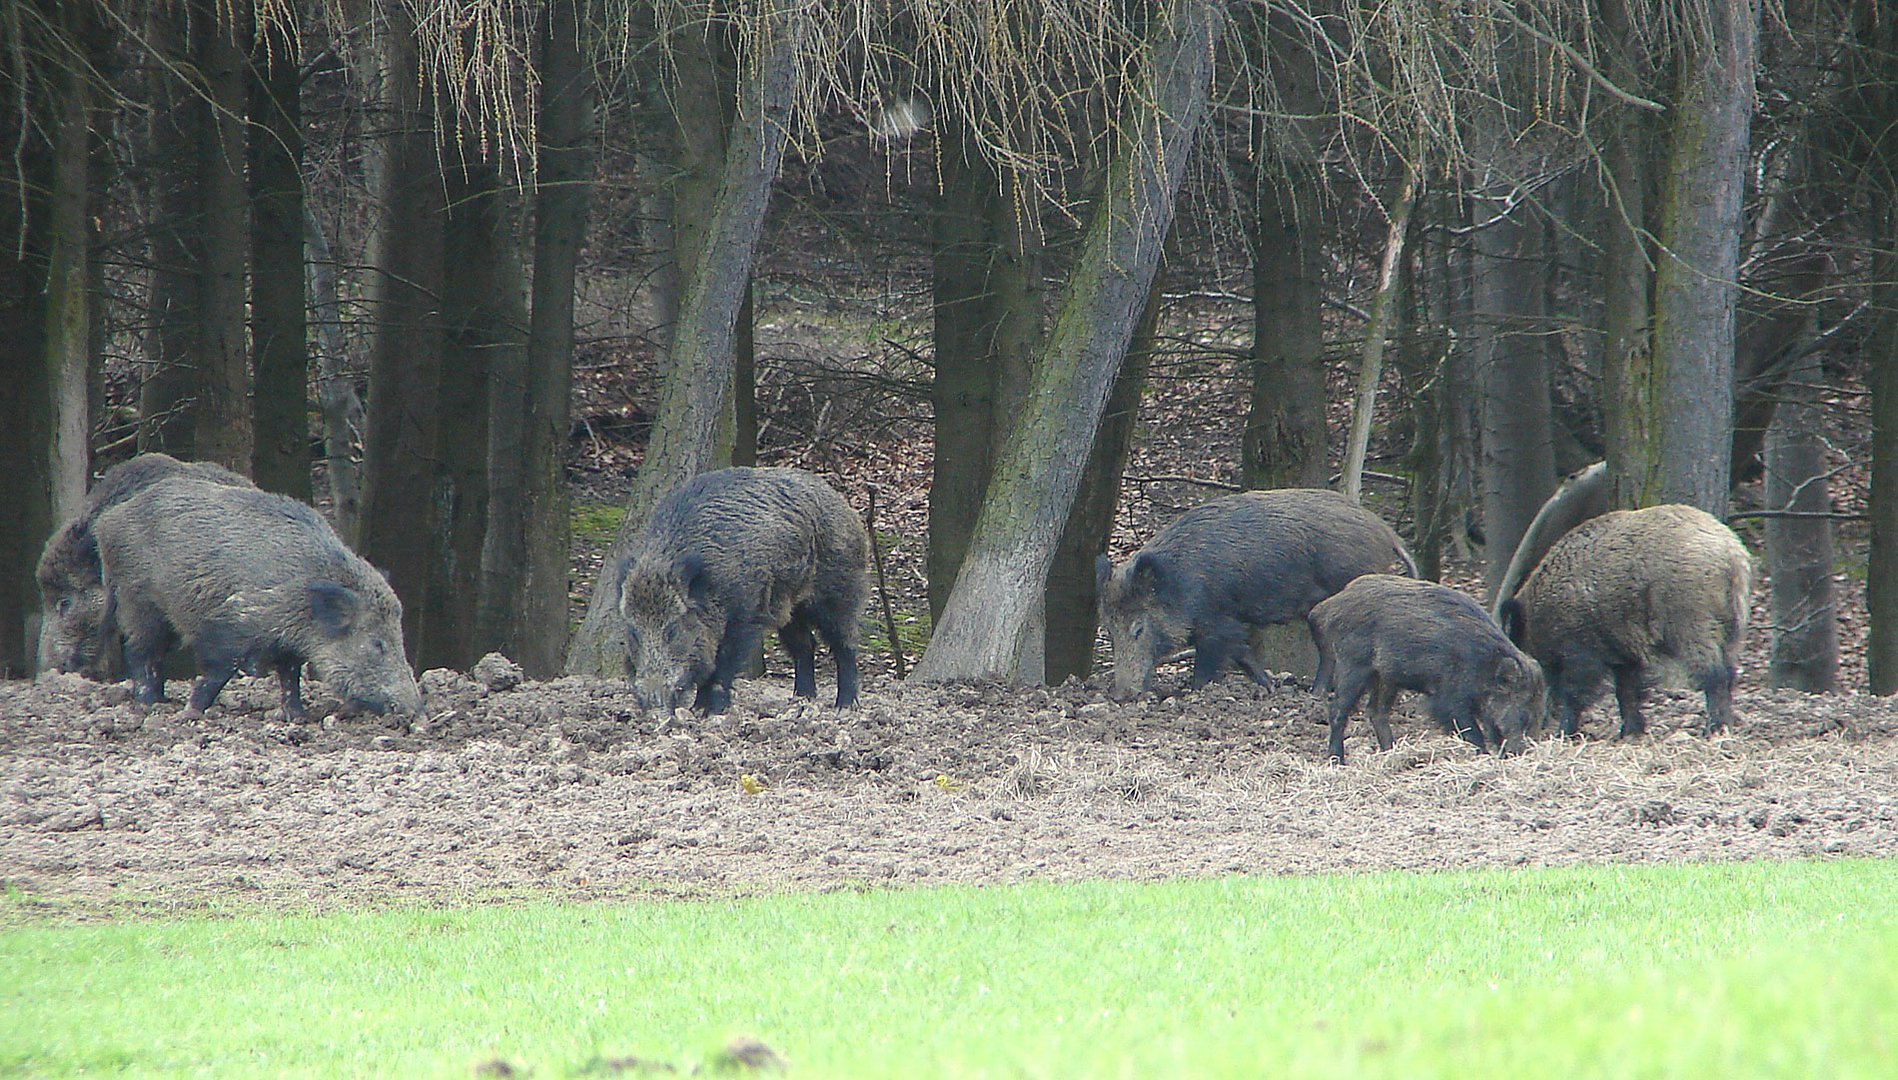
(335, 607)
(1103, 569)
(692, 576)
(1149, 571)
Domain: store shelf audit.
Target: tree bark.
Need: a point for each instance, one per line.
(699, 377)
(44, 305)
(1071, 600)
(1799, 550)
(1630, 426)
(169, 382)
(1383, 317)
(1285, 438)
(1881, 568)
(224, 430)
(561, 198)
(399, 518)
(1694, 285)
(1004, 573)
(1513, 371)
(345, 421)
(987, 295)
(279, 339)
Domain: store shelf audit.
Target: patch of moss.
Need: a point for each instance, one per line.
(597, 522)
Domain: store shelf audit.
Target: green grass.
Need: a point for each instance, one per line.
(597, 522)
(1717, 971)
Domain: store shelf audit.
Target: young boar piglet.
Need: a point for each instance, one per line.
(72, 587)
(1641, 595)
(1385, 634)
(728, 556)
(1229, 567)
(249, 579)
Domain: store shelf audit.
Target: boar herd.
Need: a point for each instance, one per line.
(167, 553)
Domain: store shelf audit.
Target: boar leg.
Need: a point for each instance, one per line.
(290, 682)
(1718, 686)
(1383, 696)
(741, 641)
(802, 645)
(147, 640)
(209, 686)
(1628, 700)
(1350, 689)
(834, 626)
(1213, 648)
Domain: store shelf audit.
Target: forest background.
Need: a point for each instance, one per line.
(434, 265)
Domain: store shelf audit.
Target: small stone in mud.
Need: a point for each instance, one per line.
(497, 672)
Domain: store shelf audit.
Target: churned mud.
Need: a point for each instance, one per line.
(564, 786)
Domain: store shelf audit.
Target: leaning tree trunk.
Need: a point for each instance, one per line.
(1513, 371)
(1694, 285)
(1799, 550)
(1072, 601)
(699, 377)
(1383, 316)
(1005, 570)
(279, 337)
(987, 293)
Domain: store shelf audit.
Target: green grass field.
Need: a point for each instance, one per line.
(1717, 971)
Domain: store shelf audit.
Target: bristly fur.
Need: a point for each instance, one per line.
(728, 556)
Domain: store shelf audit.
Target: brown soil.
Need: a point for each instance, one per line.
(564, 786)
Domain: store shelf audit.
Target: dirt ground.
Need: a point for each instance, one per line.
(564, 786)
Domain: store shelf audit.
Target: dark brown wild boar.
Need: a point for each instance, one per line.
(249, 579)
(72, 588)
(1384, 634)
(1228, 567)
(728, 556)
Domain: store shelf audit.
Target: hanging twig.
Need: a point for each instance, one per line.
(883, 586)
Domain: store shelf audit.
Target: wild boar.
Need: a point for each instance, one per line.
(72, 590)
(727, 556)
(1386, 633)
(1230, 566)
(1643, 596)
(249, 579)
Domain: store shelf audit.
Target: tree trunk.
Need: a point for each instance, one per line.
(1071, 600)
(224, 432)
(1694, 285)
(1799, 550)
(1630, 426)
(44, 305)
(1284, 443)
(169, 382)
(482, 401)
(699, 377)
(399, 517)
(1513, 371)
(280, 355)
(1383, 316)
(345, 422)
(1881, 568)
(561, 196)
(1004, 573)
(987, 295)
